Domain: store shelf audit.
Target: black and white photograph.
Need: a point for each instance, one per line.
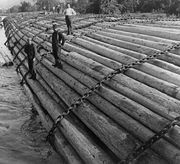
(89, 81)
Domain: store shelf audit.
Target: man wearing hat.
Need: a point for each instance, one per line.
(57, 42)
(29, 49)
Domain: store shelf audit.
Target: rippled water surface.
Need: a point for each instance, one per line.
(21, 133)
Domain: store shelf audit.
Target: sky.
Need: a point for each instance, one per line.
(4, 4)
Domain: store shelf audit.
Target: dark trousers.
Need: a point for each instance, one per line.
(31, 69)
(56, 51)
(69, 24)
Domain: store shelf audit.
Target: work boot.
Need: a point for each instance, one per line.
(33, 77)
(58, 65)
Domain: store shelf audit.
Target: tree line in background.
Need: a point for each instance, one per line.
(105, 6)
(123, 6)
(36, 5)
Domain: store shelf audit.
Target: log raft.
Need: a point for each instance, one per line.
(127, 110)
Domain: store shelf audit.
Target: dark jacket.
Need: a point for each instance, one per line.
(57, 37)
(29, 49)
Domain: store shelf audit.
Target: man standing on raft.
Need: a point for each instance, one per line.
(30, 50)
(69, 12)
(57, 42)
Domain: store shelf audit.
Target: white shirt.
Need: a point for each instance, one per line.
(69, 11)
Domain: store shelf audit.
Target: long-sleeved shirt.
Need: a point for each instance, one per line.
(57, 37)
(29, 49)
(69, 12)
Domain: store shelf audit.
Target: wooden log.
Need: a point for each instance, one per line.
(141, 36)
(158, 33)
(159, 46)
(162, 25)
(157, 28)
(4, 57)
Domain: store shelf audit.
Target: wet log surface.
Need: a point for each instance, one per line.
(128, 109)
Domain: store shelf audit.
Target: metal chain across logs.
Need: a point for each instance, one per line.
(138, 151)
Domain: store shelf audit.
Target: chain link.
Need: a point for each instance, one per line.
(138, 151)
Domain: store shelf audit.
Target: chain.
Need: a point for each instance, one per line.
(138, 151)
(108, 77)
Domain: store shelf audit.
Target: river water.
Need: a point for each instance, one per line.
(21, 134)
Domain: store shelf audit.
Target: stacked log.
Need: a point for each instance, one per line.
(127, 110)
